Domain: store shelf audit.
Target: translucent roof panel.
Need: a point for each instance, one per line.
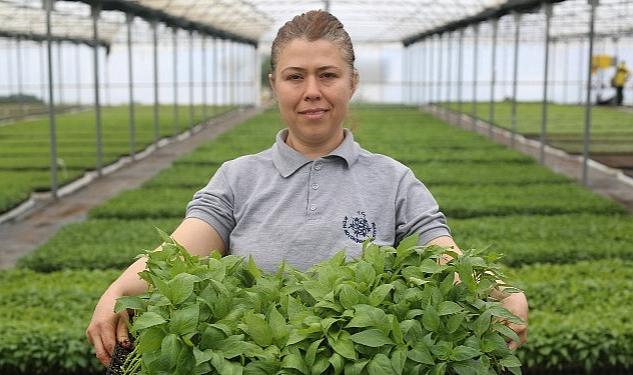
(365, 20)
(68, 21)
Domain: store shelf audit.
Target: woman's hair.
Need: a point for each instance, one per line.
(313, 25)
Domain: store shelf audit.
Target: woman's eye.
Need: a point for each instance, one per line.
(329, 75)
(293, 77)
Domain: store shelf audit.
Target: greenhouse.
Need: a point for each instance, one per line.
(121, 117)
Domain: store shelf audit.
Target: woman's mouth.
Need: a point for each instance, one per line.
(313, 113)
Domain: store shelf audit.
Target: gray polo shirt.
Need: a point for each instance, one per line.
(279, 205)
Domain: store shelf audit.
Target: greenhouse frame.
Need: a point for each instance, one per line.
(509, 111)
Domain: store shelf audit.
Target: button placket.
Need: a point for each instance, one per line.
(313, 188)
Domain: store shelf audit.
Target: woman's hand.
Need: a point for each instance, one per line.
(517, 304)
(106, 328)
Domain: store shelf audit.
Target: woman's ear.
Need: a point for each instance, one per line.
(271, 82)
(355, 78)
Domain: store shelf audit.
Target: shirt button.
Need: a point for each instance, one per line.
(317, 166)
(315, 186)
(313, 207)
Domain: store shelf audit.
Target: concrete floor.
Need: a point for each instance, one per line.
(32, 228)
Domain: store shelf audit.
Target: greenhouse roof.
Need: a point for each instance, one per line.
(27, 20)
(367, 21)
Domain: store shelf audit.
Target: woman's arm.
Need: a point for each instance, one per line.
(106, 327)
(516, 303)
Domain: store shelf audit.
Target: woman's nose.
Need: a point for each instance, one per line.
(312, 89)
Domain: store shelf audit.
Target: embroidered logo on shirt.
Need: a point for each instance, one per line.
(358, 228)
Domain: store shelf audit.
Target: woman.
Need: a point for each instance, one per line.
(315, 191)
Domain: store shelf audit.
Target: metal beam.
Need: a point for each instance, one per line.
(511, 6)
(54, 38)
(156, 15)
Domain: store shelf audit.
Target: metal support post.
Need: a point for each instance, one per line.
(493, 79)
(60, 73)
(191, 111)
(204, 78)
(543, 137)
(229, 73)
(429, 43)
(427, 70)
(515, 72)
(580, 71)
(460, 76)
(10, 74)
(449, 63)
(417, 65)
(43, 88)
(234, 56)
(106, 78)
(214, 79)
(129, 18)
(78, 72)
(587, 130)
(475, 60)
(439, 69)
(257, 83)
(176, 114)
(422, 64)
(552, 73)
(237, 63)
(154, 27)
(566, 69)
(18, 53)
(404, 73)
(95, 9)
(48, 6)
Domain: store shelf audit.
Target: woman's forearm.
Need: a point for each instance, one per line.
(128, 283)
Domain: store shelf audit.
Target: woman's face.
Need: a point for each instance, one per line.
(313, 85)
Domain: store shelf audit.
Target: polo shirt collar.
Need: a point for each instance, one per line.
(287, 160)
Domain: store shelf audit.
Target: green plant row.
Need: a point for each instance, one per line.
(588, 326)
(580, 316)
(19, 184)
(499, 173)
(535, 199)
(74, 246)
(456, 201)
(522, 239)
(25, 147)
(563, 119)
(195, 175)
(44, 317)
(610, 127)
(552, 239)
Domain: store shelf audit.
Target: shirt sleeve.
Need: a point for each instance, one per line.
(417, 211)
(214, 205)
